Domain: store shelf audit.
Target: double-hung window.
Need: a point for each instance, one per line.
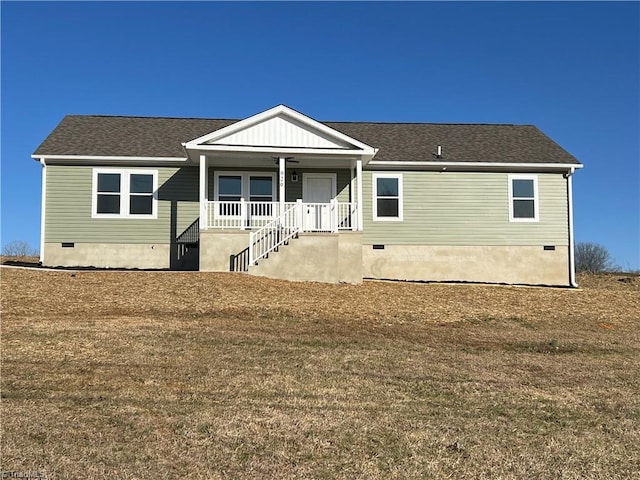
(141, 194)
(387, 196)
(119, 193)
(523, 198)
(109, 193)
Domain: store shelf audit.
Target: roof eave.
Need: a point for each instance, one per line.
(475, 166)
(100, 159)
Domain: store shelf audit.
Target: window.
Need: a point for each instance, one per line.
(249, 186)
(229, 190)
(141, 194)
(260, 190)
(108, 193)
(387, 197)
(124, 193)
(523, 198)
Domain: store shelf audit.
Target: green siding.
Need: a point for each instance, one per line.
(465, 208)
(440, 208)
(68, 208)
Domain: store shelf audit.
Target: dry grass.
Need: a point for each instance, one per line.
(195, 375)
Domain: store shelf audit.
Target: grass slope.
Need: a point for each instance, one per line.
(195, 375)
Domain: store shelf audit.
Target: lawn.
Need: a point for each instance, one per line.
(146, 375)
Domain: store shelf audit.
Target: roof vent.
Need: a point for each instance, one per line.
(438, 151)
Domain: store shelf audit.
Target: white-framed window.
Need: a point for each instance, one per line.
(249, 186)
(124, 193)
(523, 198)
(229, 189)
(261, 189)
(387, 197)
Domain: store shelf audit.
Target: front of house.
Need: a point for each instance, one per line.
(282, 195)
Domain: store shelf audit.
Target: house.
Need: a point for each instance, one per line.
(282, 195)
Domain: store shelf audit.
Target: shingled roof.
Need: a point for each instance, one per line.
(163, 137)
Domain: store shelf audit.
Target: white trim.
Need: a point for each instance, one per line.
(471, 165)
(203, 184)
(125, 193)
(108, 158)
(43, 206)
(271, 113)
(245, 182)
(352, 183)
(572, 262)
(359, 192)
(281, 181)
(276, 150)
(374, 190)
(536, 198)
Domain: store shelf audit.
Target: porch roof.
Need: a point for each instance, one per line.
(160, 138)
(283, 132)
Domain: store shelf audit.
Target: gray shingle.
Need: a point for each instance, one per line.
(163, 137)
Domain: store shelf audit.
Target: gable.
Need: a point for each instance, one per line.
(281, 128)
(281, 131)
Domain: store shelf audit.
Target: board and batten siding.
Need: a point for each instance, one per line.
(68, 208)
(467, 208)
(279, 131)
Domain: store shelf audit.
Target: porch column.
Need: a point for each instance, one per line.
(204, 183)
(359, 181)
(281, 177)
(352, 183)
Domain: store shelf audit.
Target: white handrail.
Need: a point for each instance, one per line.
(242, 214)
(330, 217)
(347, 216)
(275, 233)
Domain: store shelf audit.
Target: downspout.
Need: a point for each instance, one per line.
(43, 207)
(572, 263)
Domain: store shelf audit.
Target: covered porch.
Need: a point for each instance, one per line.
(255, 200)
(274, 176)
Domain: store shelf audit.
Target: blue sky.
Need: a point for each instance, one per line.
(572, 69)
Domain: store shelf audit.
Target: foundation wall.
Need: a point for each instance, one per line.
(350, 257)
(107, 255)
(530, 265)
(216, 246)
(316, 257)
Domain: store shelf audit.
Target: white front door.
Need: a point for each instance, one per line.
(318, 189)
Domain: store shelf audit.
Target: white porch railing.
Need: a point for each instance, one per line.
(273, 224)
(266, 239)
(242, 214)
(329, 217)
(309, 217)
